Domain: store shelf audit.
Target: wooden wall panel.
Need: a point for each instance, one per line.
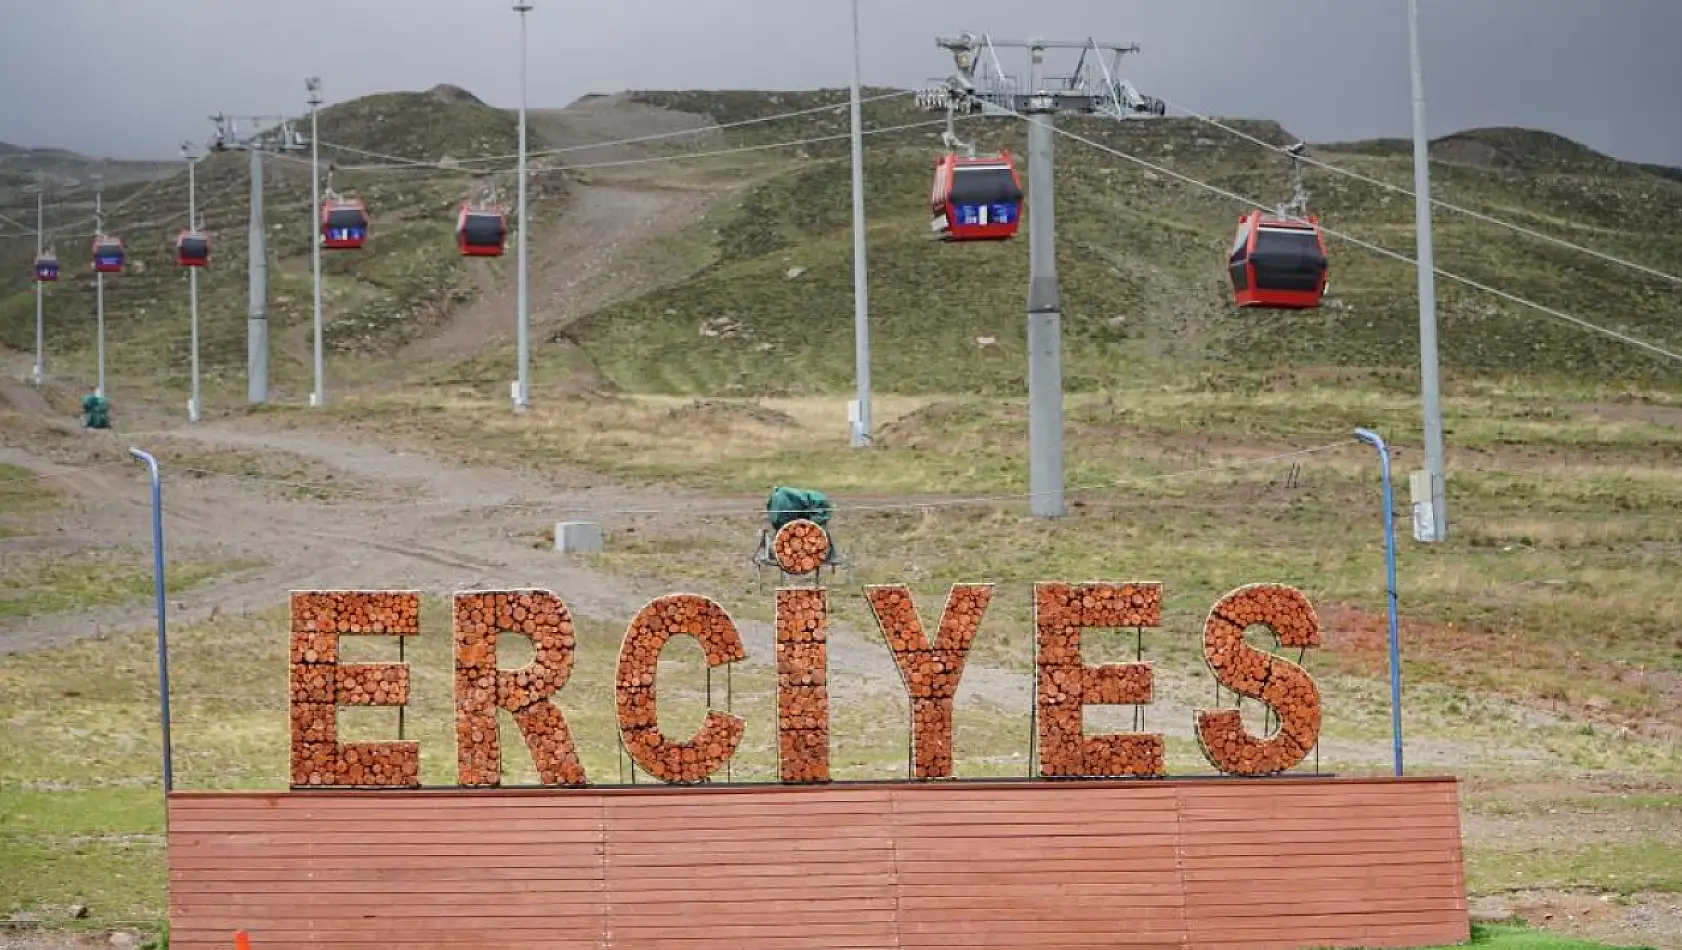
(1271, 863)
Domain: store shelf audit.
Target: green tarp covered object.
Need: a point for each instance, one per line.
(96, 412)
(792, 504)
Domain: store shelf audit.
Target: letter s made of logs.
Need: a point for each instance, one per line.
(639, 659)
(1284, 686)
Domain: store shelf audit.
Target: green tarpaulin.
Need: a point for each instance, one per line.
(96, 412)
(792, 504)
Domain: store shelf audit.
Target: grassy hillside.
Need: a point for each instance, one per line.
(1140, 257)
(407, 278)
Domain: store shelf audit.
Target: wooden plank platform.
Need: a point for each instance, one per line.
(1216, 863)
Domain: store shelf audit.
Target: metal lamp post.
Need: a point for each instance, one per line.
(522, 393)
(313, 85)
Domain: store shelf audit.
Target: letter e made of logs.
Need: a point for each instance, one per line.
(1283, 686)
(1066, 685)
(697, 759)
(479, 619)
(320, 684)
(931, 671)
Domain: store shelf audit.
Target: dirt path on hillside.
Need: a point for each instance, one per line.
(576, 265)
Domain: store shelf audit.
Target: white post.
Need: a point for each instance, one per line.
(1429, 390)
(99, 278)
(522, 400)
(861, 278)
(193, 404)
(40, 373)
(314, 86)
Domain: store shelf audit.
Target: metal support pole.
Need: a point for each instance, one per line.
(314, 86)
(257, 312)
(861, 275)
(522, 399)
(1428, 391)
(158, 583)
(193, 402)
(1045, 314)
(99, 282)
(1372, 438)
(40, 373)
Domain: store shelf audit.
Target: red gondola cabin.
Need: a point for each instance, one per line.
(1278, 263)
(344, 224)
(976, 199)
(481, 232)
(46, 268)
(109, 255)
(192, 249)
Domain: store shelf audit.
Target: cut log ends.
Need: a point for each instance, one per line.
(800, 547)
(376, 612)
(689, 762)
(317, 685)
(479, 619)
(931, 737)
(1066, 685)
(1284, 686)
(802, 684)
(931, 672)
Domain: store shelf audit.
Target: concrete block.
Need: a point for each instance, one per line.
(583, 537)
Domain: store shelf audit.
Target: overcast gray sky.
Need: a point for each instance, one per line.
(131, 78)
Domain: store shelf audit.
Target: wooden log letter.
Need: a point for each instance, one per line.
(319, 685)
(479, 618)
(800, 547)
(639, 659)
(1066, 685)
(931, 671)
(803, 684)
(1284, 686)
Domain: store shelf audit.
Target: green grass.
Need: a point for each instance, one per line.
(22, 497)
(54, 584)
(1519, 938)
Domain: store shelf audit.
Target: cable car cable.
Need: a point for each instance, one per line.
(1358, 242)
(657, 136)
(1438, 202)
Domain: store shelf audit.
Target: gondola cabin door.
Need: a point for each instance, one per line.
(1278, 263)
(976, 199)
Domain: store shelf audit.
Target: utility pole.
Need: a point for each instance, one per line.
(1093, 89)
(194, 403)
(1434, 525)
(313, 84)
(99, 278)
(40, 373)
(1045, 311)
(861, 275)
(257, 306)
(522, 394)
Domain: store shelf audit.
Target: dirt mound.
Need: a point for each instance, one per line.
(454, 95)
(917, 428)
(717, 412)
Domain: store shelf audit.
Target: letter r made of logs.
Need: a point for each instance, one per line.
(1066, 685)
(931, 671)
(1283, 686)
(320, 684)
(665, 617)
(479, 619)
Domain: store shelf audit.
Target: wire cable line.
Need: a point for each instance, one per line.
(1438, 202)
(1358, 242)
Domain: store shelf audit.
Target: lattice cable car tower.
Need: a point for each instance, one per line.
(982, 85)
(267, 133)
